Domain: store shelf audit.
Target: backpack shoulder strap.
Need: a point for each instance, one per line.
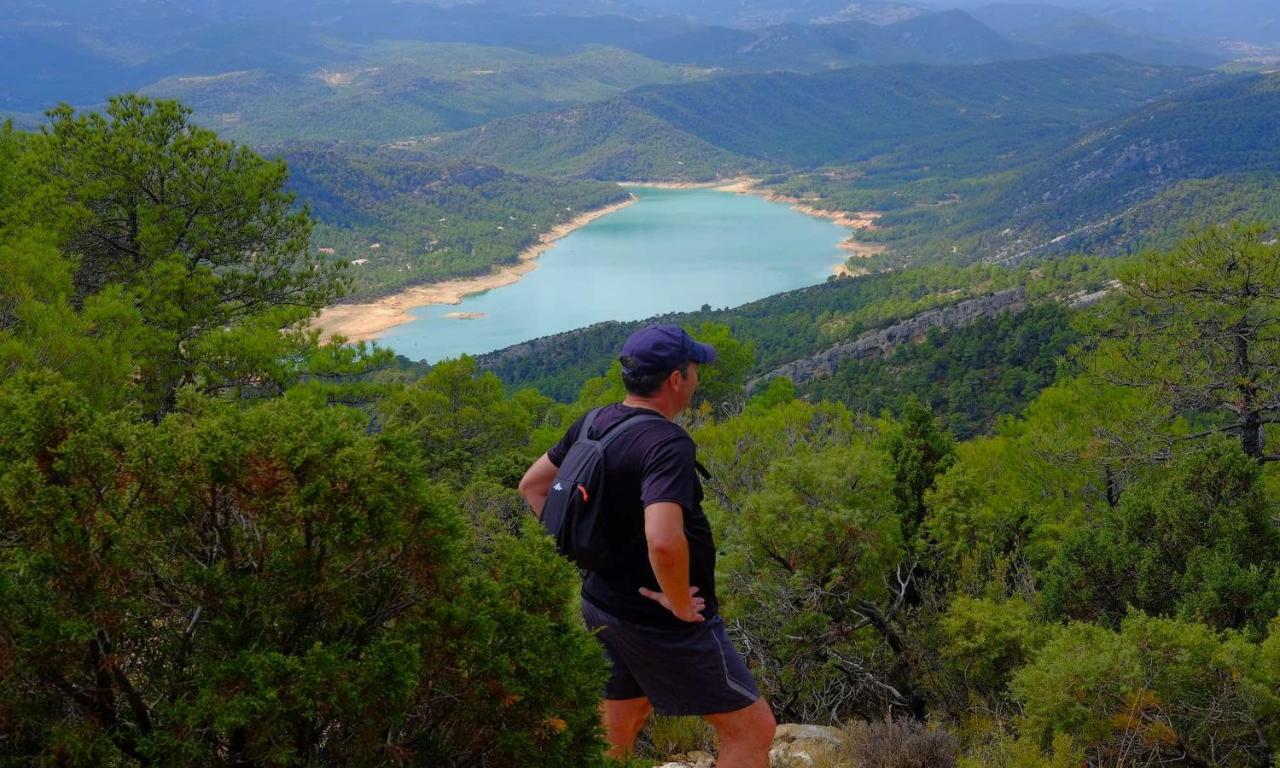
(584, 432)
(616, 431)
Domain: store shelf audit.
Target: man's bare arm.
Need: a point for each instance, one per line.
(669, 556)
(536, 483)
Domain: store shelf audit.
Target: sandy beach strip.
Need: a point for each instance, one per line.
(717, 184)
(364, 322)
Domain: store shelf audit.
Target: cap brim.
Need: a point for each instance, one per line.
(702, 353)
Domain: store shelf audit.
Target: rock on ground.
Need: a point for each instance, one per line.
(794, 746)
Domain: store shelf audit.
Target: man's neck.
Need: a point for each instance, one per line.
(653, 404)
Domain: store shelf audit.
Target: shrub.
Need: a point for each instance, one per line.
(1157, 690)
(667, 736)
(268, 586)
(900, 744)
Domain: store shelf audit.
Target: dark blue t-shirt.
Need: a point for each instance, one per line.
(652, 462)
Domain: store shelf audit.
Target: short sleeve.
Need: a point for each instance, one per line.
(669, 474)
(561, 449)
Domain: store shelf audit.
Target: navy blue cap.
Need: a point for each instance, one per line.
(662, 349)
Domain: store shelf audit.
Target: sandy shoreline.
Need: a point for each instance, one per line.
(364, 322)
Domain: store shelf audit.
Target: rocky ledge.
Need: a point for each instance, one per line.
(882, 342)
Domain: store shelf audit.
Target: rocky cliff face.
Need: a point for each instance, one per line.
(882, 342)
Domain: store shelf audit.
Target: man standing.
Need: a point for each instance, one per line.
(654, 606)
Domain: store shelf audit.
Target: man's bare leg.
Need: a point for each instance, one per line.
(623, 719)
(745, 736)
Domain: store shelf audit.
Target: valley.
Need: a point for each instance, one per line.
(297, 297)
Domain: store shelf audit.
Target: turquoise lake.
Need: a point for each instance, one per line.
(673, 250)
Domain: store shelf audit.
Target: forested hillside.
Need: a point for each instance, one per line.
(223, 543)
(796, 324)
(398, 90)
(1194, 157)
(400, 220)
(1067, 30)
(952, 37)
(787, 121)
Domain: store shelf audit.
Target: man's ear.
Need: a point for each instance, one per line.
(674, 379)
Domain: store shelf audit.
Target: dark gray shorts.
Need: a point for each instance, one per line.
(682, 671)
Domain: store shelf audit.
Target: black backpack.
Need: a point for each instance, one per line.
(574, 512)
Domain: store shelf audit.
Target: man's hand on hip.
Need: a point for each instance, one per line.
(694, 612)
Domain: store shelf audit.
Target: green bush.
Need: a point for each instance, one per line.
(1196, 541)
(1156, 690)
(268, 586)
(986, 641)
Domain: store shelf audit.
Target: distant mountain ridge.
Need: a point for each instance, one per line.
(950, 37)
(407, 89)
(81, 52)
(1051, 28)
(751, 123)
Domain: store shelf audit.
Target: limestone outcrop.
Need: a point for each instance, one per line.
(883, 341)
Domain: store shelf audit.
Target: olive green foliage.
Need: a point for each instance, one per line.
(999, 748)
(720, 385)
(206, 559)
(722, 381)
(1156, 690)
(1198, 540)
(466, 423)
(802, 503)
(165, 227)
(271, 586)
(403, 220)
(986, 641)
(666, 736)
(918, 451)
(1010, 499)
(968, 376)
(1200, 324)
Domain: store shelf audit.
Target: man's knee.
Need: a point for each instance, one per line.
(765, 725)
(626, 716)
(753, 724)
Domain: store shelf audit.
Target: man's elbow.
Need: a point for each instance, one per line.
(667, 547)
(525, 487)
(531, 489)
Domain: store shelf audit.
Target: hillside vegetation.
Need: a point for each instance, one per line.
(951, 37)
(399, 90)
(790, 121)
(1193, 157)
(790, 326)
(406, 220)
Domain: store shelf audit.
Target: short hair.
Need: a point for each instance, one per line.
(645, 383)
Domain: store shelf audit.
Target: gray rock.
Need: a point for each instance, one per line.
(882, 342)
(794, 746)
(800, 746)
(789, 732)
